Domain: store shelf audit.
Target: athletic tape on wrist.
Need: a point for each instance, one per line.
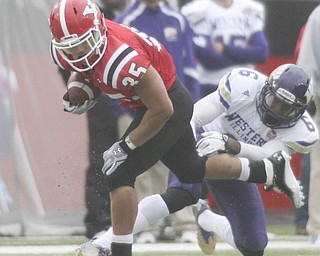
(129, 143)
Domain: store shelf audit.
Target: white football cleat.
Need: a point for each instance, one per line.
(315, 239)
(90, 249)
(206, 240)
(284, 180)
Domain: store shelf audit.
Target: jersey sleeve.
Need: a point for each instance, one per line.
(208, 57)
(125, 68)
(230, 86)
(239, 85)
(257, 50)
(254, 152)
(301, 137)
(206, 110)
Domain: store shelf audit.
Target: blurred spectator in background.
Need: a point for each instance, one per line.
(161, 21)
(309, 58)
(103, 132)
(229, 34)
(111, 8)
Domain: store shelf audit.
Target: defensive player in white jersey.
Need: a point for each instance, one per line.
(229, 34)
(251, 116)
(247, 109)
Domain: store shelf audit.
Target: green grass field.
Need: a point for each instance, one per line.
(283, 233)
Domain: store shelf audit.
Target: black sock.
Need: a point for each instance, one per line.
(120, 249)
(257, 172)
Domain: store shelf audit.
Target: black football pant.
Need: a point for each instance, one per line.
(103, 132)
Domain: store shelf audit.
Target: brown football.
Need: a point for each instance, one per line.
(80, 90)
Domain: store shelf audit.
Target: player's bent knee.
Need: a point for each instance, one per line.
(253, 245)
(246, 252)
(119, 180)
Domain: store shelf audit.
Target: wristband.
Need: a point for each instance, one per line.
(125, 147)
(129, 143)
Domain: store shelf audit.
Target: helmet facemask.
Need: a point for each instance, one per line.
(279, 108)
(92, 41)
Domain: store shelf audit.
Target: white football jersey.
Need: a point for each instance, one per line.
(232, 110)
(232, 25)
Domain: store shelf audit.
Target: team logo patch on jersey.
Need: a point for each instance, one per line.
(272, 134)
(170, 33)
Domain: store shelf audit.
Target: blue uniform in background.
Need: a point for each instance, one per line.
(171, 29)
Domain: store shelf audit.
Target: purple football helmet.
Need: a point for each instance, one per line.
(285, 96)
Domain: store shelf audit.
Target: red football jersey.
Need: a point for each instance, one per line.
(128, 54)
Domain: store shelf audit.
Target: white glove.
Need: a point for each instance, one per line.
(78, 109)
(212, 143)
(113, 157)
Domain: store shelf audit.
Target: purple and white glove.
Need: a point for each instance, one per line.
(212, 143)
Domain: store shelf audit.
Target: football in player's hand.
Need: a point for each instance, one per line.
(80, 91)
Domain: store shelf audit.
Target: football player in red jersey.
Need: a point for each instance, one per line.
(129, 65)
